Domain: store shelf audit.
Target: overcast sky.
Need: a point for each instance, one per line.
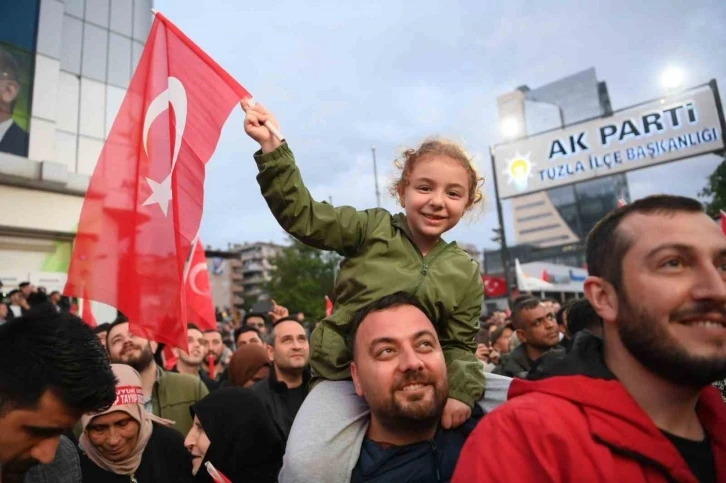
(344, 76)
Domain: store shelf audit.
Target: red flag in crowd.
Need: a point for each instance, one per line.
(545, 275)
(144, 203)
(170, 359)
(87, 313)
(200, 305)
(723, 222)
(328, 306)
(212, 367)
(494, 286)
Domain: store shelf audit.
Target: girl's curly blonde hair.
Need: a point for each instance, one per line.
(438, 147)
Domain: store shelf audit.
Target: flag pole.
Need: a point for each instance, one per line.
(273, 130)
(271, 127)
(375, 178)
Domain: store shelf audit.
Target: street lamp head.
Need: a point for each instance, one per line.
(672, 78)
(510, 127)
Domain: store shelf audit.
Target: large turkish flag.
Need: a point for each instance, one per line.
(87, 313)
(144, 203)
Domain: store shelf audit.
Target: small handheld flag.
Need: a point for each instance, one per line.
(215, 474)
(210, 363)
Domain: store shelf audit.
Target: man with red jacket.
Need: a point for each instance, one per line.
(637, 405)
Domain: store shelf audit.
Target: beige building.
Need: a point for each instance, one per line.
(256, 266)
(225, 277)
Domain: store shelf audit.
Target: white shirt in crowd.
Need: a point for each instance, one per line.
(17, 311)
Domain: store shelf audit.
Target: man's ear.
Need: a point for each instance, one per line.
(522, 336)
(271, 353)
(356, 380)
(603, 298)
(175, 351)
(154, 345)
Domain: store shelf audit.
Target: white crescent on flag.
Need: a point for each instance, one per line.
(491, 285)
(175, 96)
(196, 270)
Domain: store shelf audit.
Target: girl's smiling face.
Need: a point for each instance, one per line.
(435, 197)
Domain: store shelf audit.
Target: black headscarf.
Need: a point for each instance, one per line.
(244, 444)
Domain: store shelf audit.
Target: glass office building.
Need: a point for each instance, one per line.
(583, 204)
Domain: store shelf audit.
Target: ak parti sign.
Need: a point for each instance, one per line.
(680, 126)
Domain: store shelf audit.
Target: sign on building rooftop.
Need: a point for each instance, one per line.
(686, 124)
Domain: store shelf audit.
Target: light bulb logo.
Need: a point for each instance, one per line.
(519, 170)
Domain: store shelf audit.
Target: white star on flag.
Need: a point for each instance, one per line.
(160, 193)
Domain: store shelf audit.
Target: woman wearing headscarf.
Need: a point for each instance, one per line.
(249, 364)
(127, 444)
(233, 430)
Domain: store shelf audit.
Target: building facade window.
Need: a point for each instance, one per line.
(551, 239)
(539, 228)
(529, 205)
(538, 216)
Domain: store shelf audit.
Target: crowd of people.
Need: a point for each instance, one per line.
(402, 382)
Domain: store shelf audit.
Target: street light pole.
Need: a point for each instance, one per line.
(375, 177)
(503, 237)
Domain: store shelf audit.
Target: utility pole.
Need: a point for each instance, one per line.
(375, 177)
(500, 236)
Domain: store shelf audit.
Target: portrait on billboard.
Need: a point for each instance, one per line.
(15, 80)
(18, 37)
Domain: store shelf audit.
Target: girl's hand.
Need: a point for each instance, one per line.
(255, 118)
(455, 414)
